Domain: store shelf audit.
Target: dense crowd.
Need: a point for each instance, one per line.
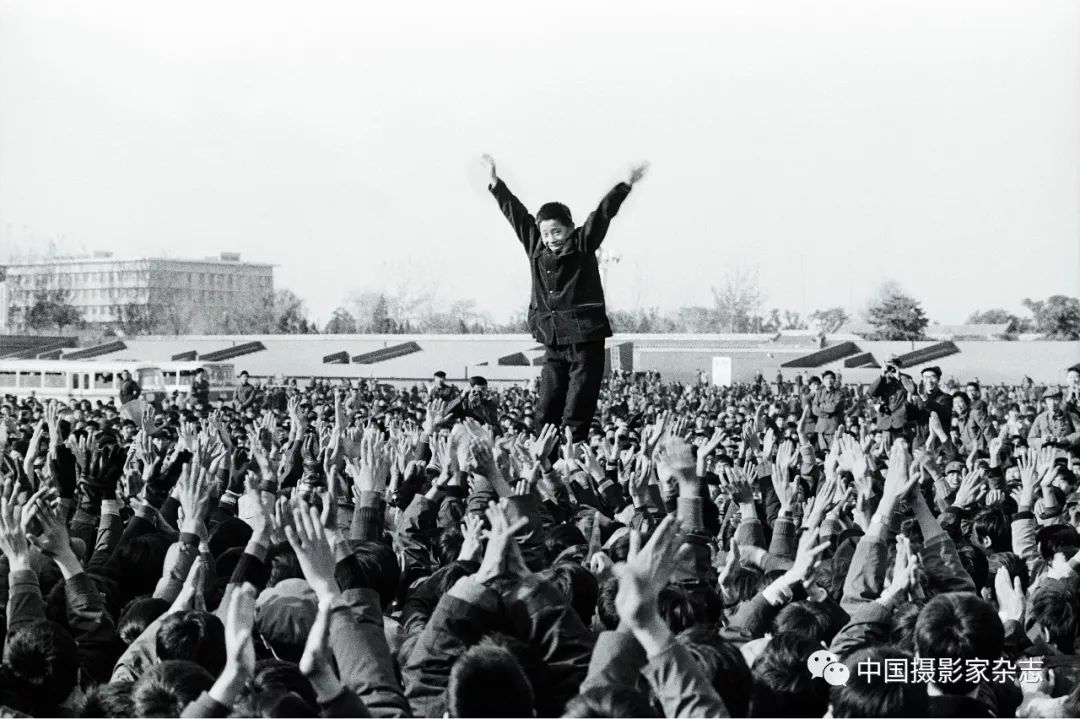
(321, 548)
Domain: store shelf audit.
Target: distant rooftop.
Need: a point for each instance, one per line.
(231, 258)
(934, 331)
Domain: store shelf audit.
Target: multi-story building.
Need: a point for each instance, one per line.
(104, 288)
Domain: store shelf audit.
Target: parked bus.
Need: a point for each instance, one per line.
(178, 376)
(77, 379)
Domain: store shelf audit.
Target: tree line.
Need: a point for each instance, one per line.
(737, 307)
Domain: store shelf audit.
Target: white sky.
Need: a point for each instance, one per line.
(831, 145)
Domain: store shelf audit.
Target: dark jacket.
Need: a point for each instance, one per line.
(129, 390)
(567, 303)
(828, 407)
(894, 411)
(938, 402)
(200, 390)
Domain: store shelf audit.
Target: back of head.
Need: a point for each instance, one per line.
(1057, 610)
(722, 664)
(488, 681)
(578, 585)
(1056, 538)
(783, 686)
(166, 688)
(611, 701)
(863, 697)
(809, 618)
(961, 626)
(380, 568)
(560, 538)
(42, 663)
(606, 614)
(108, 700)
(137, 615)
(975, 564)
(137, 563)
(679, 608)
(990, 525)
(193, 636)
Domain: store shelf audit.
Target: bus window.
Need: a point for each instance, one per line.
(74, 380)
(150, 377)
(56, 380)
(7, 379)
(103, 380)
(221, 375)
(30, 379)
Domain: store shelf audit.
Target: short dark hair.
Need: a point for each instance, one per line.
(1058, 611)
(1015, 566)
(137, 615)
(828, 373)
(722, 664)
(578, 585)
(991, 523)
(1056, 538)
(167, 688)
(488, 681)
(555, 211)
(810, 618)
(193, 636)
(961, 626)
(111, 699)
(781, 680)
(42, 660)
(611, 701)
(679, 608)
(862, 697)
(974, 561)
(380, 568)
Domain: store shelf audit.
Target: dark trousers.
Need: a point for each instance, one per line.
(570, 386)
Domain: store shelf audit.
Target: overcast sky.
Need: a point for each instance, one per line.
(828, 145)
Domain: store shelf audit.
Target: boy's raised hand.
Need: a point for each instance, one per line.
(489, 165)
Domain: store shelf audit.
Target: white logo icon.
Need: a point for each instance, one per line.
(823, 664)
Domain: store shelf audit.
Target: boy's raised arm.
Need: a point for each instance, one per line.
(596, 226)
(519, 216)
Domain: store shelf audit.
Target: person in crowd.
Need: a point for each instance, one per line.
(200, 387)
(129, 388)
(245, 393)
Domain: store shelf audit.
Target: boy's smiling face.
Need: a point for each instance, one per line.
(554, 234)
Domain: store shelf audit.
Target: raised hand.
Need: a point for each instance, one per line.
(502, 556)
(972, 488)
(646, 571)
(488, 163)
(1010, 597)
(239, 647)
(13, 542)
(313, 551)
(434, 417)
(542, 447)
(193, 493)
(637, 173)
(784, 487)
(471, 531)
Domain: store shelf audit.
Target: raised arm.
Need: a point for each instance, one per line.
(520, 218)
(596, 226)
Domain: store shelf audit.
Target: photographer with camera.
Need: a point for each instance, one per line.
(893, 391)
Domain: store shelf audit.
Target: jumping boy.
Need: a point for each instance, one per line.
(566, 310)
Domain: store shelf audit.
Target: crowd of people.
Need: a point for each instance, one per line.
(321, 548)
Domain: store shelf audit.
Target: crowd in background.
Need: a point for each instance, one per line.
(321, 548)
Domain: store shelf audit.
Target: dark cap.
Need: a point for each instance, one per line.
(1052, 393)
(440, 374)
(478, 381)
(935, 370)
(954, 466)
